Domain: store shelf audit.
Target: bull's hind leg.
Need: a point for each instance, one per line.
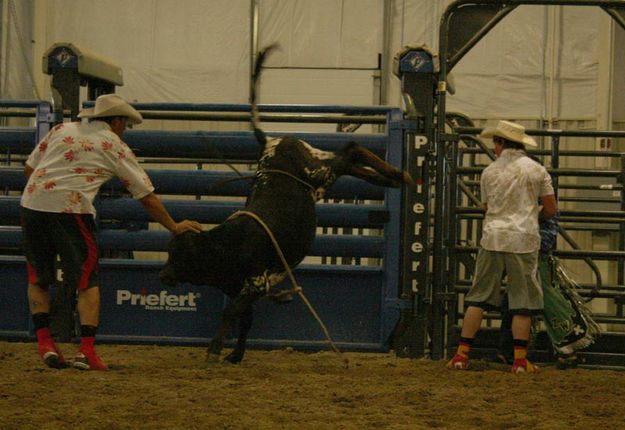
(245, 324)
(237, 308)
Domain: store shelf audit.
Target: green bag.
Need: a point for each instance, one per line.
(569, 322)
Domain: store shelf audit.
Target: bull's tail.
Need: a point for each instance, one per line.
(258, 67)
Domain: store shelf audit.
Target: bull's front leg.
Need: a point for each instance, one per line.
(168, 275)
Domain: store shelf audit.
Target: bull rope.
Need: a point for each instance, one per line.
(296, 287)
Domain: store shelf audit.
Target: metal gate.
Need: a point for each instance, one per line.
(463, 24)
(352, 282)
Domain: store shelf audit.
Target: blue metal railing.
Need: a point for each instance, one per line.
(358, 302)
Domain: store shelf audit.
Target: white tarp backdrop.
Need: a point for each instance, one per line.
(199, 51)
(170, 50)
(16, 73)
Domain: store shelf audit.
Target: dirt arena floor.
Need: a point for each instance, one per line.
(151, 387)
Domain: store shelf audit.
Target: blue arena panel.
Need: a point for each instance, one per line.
(17, 140)
(212, 212)
(137, 308)
(235, 145)
(143, 240)
(14, 311)
(136, 304)
(274, 108)
(208, 183)
(347, 299)
(324, 244)
(6, 103)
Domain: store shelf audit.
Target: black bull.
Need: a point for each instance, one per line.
(238, 256)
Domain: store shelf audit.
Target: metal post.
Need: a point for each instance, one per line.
(414, 66)
(386, 49)
(4, 48)
(448, 291)
(45, 119)
(254, 17)
(621, 233)
(555, 162)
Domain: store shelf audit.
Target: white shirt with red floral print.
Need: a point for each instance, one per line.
(73, 161)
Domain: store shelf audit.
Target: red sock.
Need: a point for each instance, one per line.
(43, 334)
(86, 343)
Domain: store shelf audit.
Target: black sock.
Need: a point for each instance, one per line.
(88, 330)
(467, 340)
(520, 343)
(41, 320)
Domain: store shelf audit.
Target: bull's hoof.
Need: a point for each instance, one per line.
(212, 359)
(233, 358)
(168, 277)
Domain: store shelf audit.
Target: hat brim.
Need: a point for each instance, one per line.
(134, 117)
(86, 113)
(490, 132)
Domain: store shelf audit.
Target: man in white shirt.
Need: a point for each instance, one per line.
(65, 171)
(510, 187)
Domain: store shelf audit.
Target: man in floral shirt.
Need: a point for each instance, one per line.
(511, 188)
(65, 172)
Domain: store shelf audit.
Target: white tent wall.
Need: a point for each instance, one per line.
(329, 53)
(519, 69)
(502, 77)
(199, 51)
(16, 55)
(170, 51)
(331, 34)
(507, 74)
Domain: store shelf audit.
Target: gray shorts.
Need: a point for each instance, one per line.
(524, 290)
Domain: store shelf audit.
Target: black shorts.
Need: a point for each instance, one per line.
(71, 237)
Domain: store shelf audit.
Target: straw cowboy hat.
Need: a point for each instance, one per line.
(112, 105)
(509, 131)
